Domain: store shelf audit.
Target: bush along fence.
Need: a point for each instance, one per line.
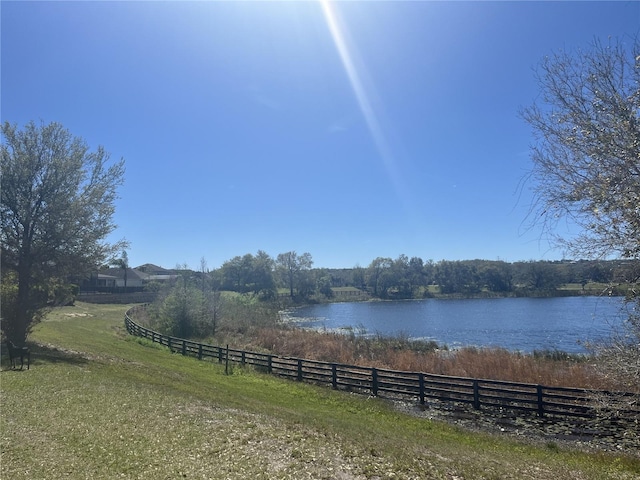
(523, 397)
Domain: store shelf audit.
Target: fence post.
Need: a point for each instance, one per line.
(244, 360)
(476, 395)
(421, 386)
(270, 364)
(169, 343)
(184, 347)
(226, 361)
(299, 369)
(219, 354)
(540, 401)
(199, 351)
(374, 382)
(334, 376)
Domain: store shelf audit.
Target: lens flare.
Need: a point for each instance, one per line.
(362, 96)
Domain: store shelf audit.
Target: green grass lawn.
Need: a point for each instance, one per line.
(100, 404)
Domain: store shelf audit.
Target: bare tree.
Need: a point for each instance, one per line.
(204, 272)
(587, 152)
(586, 167)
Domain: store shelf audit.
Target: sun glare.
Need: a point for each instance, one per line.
(362, 96)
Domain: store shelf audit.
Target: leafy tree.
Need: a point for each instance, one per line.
(293, 268)
(186, 307)
(179, 311)
(236, 273)
(57, 204)
(324, 283)
(457, 277)
(123, 263)
(358, 277)
(250, 273)
(596, 272)
(400, 278)
(377, 276)
(496, 276)
(215, 278)
(586, 160)
(417, 277)
(263, 280)
(429, 272)
(541, 276)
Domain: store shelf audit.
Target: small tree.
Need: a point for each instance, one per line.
(123, 263)
(181, 309)
(211, 304)
(56, 209)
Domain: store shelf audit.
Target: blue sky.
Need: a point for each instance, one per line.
(348, 130)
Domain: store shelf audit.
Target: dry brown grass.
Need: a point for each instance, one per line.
(551, 369)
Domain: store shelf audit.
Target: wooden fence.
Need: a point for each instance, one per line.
(523, 397)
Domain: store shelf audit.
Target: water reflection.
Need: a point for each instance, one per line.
(523, 324)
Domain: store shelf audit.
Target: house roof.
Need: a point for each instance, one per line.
(136, 274)
(161, 277)
(132, 273)
(151, 269)
(105, 276)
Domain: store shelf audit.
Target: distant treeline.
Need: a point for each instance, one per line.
(200, 303)
(293, 275)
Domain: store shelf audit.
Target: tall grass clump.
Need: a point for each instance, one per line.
(398, 354)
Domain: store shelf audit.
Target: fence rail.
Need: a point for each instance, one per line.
(524, 397)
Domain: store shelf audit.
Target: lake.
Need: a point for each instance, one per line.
(522, 324)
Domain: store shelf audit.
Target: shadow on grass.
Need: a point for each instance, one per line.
(46, 354)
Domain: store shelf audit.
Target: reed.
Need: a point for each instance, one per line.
(550, 368)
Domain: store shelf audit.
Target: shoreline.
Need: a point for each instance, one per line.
(358, 327)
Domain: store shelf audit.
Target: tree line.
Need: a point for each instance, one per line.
(249, 290)
(292, 275)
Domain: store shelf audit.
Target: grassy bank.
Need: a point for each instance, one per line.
(100, 404)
